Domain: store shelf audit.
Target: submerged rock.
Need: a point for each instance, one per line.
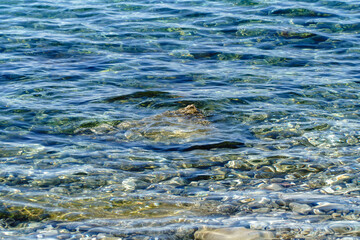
(233, 234)
(179, 126)
(300, 208)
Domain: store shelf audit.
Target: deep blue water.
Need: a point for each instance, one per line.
(86, 150)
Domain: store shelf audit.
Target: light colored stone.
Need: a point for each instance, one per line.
(300, 208)
(233, 234)
(274, 187)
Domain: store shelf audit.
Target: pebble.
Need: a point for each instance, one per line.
(274, 187)
(227, 209)
(64, 236)
(261, 210)
(300, 208)
(48, 231)
(130, 184)
(102, 236)
(233, 234)
(318, 212)
(58, 190)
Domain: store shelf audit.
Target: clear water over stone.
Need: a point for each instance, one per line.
(95, 143)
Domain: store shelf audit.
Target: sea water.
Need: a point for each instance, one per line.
(88, 150)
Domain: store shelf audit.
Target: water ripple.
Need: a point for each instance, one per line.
(92, 142)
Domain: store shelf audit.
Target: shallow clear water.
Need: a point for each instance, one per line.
(86, 150)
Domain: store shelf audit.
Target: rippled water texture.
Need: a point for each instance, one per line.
(96, 143)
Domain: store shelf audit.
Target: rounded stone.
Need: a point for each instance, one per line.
(233, 234)
(300, 208)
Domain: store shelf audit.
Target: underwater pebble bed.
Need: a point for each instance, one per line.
(180, 119)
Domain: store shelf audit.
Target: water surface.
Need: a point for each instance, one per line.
(278, 82)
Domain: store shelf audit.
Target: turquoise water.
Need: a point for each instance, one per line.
(88, 150)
